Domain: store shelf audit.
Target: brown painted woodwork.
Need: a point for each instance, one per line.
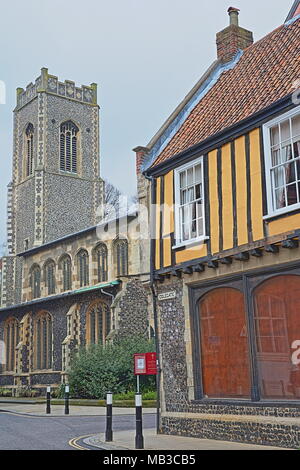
(277, 325)
(224, 344)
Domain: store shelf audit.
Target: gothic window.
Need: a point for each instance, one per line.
(98, 323)
(49, 273)
(66, 267)
(69, 147)
(29, 150)
(121, 257)
(35, 281)
(83, 267)
(11, 339)
(100, 256)
(43, 341)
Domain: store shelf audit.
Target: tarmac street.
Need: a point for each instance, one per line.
(27, 427)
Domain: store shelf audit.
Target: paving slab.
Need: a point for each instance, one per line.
(124, 440)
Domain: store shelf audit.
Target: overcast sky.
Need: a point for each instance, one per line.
(145, 56)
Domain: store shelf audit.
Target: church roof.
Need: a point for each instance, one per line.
(261, 75)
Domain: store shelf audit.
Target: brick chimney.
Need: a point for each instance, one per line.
(232, 38)
(140, 155)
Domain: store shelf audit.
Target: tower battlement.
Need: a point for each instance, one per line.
(50, 84)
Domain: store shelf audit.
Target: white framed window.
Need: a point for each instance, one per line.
(189, 203)
(282, 162)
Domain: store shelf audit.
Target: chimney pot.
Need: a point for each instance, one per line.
(233, 38)
(234, 15)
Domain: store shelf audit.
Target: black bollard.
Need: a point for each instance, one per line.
(48, 401)
(139, 439)
(67, 395)
(109, 431)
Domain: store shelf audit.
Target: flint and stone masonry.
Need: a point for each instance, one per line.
(53, 212)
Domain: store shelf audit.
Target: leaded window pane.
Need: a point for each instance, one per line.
(121, 252)
(101, 256)
(83, 268)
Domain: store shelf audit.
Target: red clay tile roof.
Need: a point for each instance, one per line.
(264, 74)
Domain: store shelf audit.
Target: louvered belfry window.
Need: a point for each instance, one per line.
(68, 147)
(29, 150)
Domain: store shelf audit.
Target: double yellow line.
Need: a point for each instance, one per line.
(74, 442)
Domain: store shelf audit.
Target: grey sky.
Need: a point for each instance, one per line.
(145, 56)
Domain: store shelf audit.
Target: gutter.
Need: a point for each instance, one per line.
(59, 296)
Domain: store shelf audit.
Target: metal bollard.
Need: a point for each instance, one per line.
(67, 395)
(48, 401)
(109, 431)
(139, 439)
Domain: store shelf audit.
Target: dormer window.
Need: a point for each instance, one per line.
(68, 147)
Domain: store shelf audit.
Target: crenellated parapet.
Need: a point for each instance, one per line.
(50, 84)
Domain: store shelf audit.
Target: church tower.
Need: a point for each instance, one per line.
(56, 187)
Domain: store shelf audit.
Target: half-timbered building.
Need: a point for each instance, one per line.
(225, 256)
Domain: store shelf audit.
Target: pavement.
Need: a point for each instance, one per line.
(59, 410)
(125, 440)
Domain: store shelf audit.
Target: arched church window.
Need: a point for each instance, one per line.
(100, 256)
(49, 273)
(43, 341)
(29, 149)
(11, 339)
(68, 147)
(121, 256)
(66, 267)
(83, 267)
(35, 281)
(98, 323)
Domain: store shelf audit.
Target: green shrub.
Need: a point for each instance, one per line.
(5, 392)
(26, 392)
(58, 392)
(147, 395)
(97, 370)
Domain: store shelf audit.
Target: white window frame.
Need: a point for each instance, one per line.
(272, 212)
(178, 239)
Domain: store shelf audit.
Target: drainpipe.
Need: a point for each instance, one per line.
(154, 303)
(107, 293)
(112, 301)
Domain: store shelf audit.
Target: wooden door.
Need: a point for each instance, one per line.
(224, 344)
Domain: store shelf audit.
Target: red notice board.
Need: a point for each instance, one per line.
(145, 364)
